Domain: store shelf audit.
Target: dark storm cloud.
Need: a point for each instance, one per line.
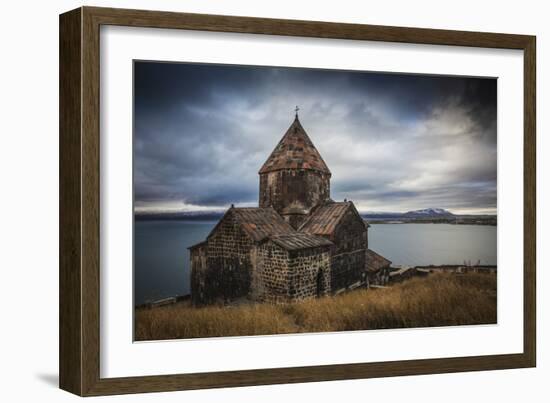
(392, 142)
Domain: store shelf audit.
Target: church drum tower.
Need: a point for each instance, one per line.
(294, 179)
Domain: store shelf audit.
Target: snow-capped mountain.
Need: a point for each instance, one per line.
(423, 214)
(429, 212)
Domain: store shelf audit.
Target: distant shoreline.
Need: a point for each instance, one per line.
(176, 217)
(490, 220)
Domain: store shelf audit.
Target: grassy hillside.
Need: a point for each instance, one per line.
(438, 300)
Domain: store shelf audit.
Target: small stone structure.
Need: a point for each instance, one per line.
(378, 268)
(298, 244)
(292, 267)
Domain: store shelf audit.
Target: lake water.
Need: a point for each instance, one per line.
(162, 259)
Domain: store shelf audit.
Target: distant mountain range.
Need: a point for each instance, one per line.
(182, 215)
(428, 214)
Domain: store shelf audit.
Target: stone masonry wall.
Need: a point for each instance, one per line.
(309, 271)
(348, 254)
(228, 270)
(294, 188)
(198, 272)
(271, 277)
(284, 276)
(380, 277)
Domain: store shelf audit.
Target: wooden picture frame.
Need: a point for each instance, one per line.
(79, 347)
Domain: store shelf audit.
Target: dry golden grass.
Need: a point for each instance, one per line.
(437, 300)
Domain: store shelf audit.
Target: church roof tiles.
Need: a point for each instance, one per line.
(298, 241)
(260, 223)
(325, 218)
(295, 151)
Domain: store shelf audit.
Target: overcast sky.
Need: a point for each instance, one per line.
(392, 142)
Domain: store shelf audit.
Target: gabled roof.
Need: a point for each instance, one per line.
(298, 241)
(324, 219)
(375, 262)
(259, 223)
(197, 245)
(295, 151)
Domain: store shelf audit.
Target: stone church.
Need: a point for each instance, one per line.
(297, 244)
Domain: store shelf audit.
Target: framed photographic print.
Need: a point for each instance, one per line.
(249, 201)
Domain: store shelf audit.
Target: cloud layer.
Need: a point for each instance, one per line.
(393, 142)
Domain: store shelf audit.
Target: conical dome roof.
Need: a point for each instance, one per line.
(295, 151)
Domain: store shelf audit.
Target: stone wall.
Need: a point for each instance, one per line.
(295, 189)
(225, 274)
(198, 272)
(271, 275)
(380, 277)
(288, 276)
(309, 273)
(348, 253)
